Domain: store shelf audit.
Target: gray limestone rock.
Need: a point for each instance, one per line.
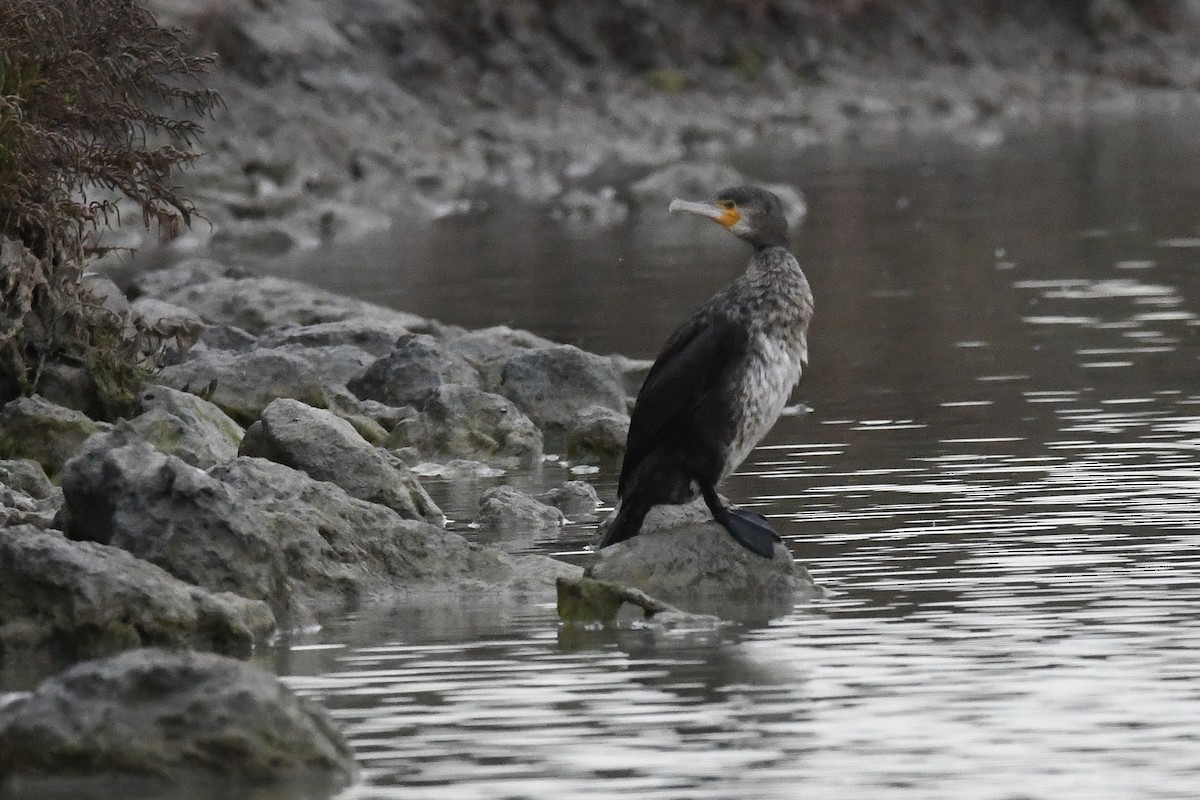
(270, 532)
(245, 383)
(698, 567)
(186, 425)
(174, 717)
(573, 498)
(84, 598)
(417, 365)
(597, 434)
(463, 422)
(328, 448)
(35, 428)
(505, 511)
(553, 384)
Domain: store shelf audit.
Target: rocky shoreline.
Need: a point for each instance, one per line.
(343, 117)
(274, 477)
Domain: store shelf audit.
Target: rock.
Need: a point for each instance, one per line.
(26, 495)
(336, 364)
(489, 349)
(329, 449)
(187, 273)
(464, 422)
(553, 384)
(83, 598)
(596, 433)
(701, 569)
(182, 424)
(416, 366)
(272, 533)
(458, 469)
(693, 181)
(154, 311)
(28, 477)
(229, 297)
(375, 336)
(505, 511)
(229, 338)
(573, 498)
(35, 428)
(175, 717)
(245, 383)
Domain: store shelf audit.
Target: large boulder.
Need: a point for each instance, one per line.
(458, 422)
(186, 425)
(416, 366)
(243, 384)
(35, 428)
(698, 567)
(329, 448)
(83, 598)
(553, 384)
(172, 717)
(270, 532)
(573, 498)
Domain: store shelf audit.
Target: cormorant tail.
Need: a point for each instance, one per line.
(748, 528)
(627, 523)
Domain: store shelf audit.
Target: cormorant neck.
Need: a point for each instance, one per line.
(766, 242)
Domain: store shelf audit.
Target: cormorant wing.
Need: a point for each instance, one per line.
(694, 363)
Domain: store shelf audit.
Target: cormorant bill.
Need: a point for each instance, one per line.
(721, 380)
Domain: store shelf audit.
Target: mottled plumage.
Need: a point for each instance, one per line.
(722, 378)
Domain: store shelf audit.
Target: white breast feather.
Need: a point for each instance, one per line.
(768, 382)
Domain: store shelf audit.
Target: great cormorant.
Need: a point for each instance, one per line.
(722, 378)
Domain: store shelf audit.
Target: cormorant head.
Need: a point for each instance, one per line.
(748, 212)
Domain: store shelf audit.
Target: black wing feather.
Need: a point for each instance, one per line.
(676, 402)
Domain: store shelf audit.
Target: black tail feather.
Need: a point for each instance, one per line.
(748, 528)
(626, 524)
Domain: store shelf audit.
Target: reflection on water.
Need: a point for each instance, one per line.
(999, 482)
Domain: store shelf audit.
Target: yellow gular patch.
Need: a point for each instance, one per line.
(729, 217)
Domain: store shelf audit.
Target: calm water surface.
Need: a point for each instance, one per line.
(999, 483)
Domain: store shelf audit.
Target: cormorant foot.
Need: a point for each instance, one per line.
(751, 531)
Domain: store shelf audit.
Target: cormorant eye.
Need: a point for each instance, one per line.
(726, 204)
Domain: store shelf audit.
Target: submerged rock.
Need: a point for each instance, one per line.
(553, 384)
(83, 598)
(185, 425)
(505, 511)
(329, 449)
(35, 428)
(573, 498)
(700, 568)
(460, 422)
(176, 717)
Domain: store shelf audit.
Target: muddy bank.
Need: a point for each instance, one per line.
(343, 116)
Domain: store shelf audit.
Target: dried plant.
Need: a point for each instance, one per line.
(88, 93)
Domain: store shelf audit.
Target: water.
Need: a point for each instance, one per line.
(999, 484)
